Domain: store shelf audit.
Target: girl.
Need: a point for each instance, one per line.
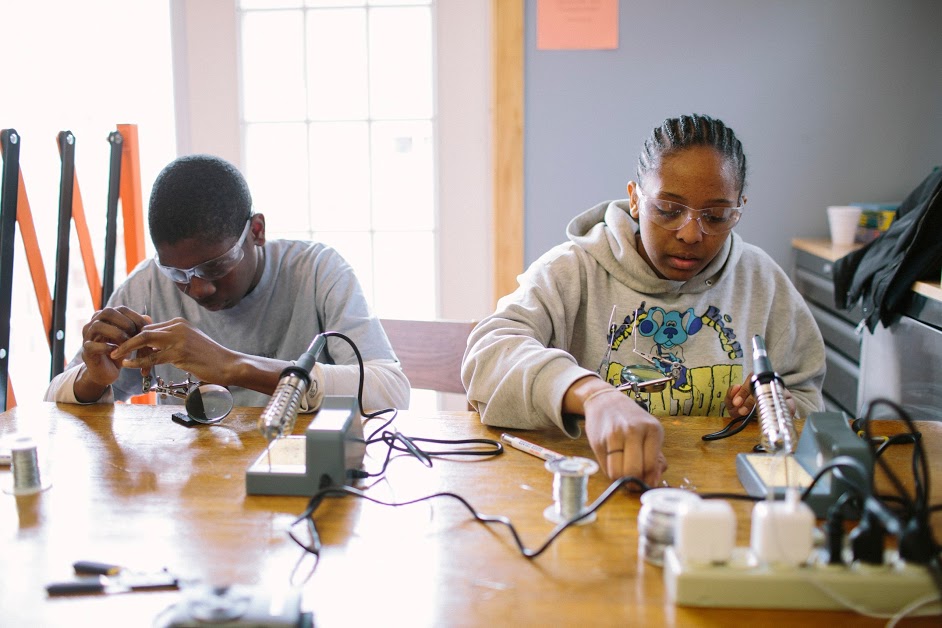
(657, 283)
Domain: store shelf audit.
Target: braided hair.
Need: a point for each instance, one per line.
(676, 134)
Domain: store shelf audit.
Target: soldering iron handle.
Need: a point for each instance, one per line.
(278, 417)
(775, 419)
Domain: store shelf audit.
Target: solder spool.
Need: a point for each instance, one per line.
(570, 486)
(659, 507)
(24, 463)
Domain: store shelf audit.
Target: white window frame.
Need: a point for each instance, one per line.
(206, 95)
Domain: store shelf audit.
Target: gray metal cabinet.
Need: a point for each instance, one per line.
(812, 277)
(903, 362)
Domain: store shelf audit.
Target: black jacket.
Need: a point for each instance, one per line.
(881, 274)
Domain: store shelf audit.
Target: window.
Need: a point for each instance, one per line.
(92, 67)
(338, 132)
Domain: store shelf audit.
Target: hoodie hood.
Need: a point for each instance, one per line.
(608, 233)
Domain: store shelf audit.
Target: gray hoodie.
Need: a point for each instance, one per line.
(555, 327)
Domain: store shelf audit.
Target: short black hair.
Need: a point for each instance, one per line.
(200, 196)
(675, 134)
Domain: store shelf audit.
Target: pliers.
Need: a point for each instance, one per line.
(96, 577)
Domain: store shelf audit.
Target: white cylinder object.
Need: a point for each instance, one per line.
(842, 223)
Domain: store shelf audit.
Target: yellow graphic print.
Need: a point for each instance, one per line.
(705, 395)
(695, 390)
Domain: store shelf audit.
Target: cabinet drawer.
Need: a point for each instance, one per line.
(837, 332)
(832, 406)
(903, 363)
(813, 264)
(840, 381)
(820, 291)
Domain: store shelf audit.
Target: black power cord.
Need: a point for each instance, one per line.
(735, 426)
(915, 539)
(397, 441)
(313, 545)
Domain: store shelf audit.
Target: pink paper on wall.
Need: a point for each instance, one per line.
(576, 24)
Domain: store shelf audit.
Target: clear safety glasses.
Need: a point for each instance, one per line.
(214, 269)
(673, 216)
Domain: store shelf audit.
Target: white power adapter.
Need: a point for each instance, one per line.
(782, 531)
(705, 531)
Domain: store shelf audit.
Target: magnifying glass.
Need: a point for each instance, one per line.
(640, 378)
(204, 403)
(208, 403)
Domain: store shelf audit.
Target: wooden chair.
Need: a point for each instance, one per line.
(430, 352)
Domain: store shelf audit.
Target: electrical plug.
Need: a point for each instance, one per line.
(705, 531)
(867, 539)
(782, 531)
(834, 532)
(915, 541)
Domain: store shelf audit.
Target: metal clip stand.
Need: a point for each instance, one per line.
(111, 216)
(61, 289)
(9, 192)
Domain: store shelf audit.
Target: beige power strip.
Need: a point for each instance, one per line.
(742, 583)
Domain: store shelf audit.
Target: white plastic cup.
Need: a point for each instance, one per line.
(843, 221)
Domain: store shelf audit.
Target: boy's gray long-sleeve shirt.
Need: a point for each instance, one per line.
(554, 329)
(306, 288)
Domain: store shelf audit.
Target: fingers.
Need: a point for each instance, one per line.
(739, 398)
(150, 340)
(655, 462)
(113, 325)
(175, 342)
(614, 461)
(626, 439)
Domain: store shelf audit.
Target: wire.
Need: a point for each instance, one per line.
(912, 607)
(314, 545)
(918, 504)
(731, 428)
(918, 507)
(397, 441)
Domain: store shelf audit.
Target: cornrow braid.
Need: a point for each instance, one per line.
(676, 134)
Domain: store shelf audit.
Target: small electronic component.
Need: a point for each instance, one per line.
(236, 605)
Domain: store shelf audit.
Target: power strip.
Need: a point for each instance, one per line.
(742, 583)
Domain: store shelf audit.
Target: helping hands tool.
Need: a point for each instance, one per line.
(204, 403)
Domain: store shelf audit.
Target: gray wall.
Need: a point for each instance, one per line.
(835, 101)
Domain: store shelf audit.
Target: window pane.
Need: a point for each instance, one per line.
(276, 169)
(335, 3)
(269, 4)
(356, 249)
(401, 63)
(340, 176)
(273, 66)
(336, 64)
(379, 3)
(403, 178)
(405, 275)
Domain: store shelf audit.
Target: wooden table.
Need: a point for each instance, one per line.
(131, 487)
